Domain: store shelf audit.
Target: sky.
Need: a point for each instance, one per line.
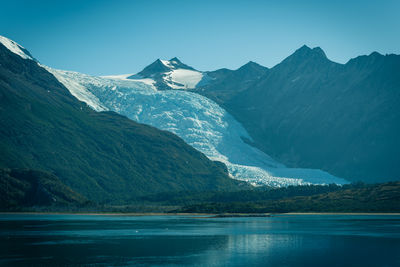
(117, 37)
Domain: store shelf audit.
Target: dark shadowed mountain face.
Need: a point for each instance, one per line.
(308, 111)
(223, 84)
(102, 156)
(27, 188)
(158, 67)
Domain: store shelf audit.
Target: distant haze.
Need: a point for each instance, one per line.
(116, 37)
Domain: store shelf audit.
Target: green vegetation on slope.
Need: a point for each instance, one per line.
(27, 188)
(359, 198)
(103, 156)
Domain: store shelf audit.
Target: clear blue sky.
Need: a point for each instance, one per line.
(116, 37)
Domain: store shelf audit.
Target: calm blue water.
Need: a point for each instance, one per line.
(296, 240)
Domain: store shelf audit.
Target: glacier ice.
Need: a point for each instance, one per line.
(198, 120)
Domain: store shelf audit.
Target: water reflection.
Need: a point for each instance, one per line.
(275, 241)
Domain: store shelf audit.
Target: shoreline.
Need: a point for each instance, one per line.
(340, 213)
(215, 215)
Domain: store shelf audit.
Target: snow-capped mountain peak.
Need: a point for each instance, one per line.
(154, 69)
(15, 48)
(175, 63)
(169, 74)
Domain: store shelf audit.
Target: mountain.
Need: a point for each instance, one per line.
(169, 74)
(224, 83)
(311, 112)
(101, 156)
(199, 121)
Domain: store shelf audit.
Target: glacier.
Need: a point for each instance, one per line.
(199, 121)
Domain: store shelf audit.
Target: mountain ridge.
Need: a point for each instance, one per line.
(169, 74)
(300, 78)
(308, 99)
(306, 83)
(102, 156)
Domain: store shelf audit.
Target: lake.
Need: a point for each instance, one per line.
(280, 240)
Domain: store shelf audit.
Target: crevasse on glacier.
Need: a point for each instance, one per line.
(196, 119)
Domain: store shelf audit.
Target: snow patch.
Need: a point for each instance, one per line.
(167, 63)
(147, 81)
(183, 79)
(119, 76)
(124, 77)
(14, 47)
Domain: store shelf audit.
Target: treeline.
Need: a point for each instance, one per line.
(21, 189)
(351, 198)
(29, 190)
(250, 195)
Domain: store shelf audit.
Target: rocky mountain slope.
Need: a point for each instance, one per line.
(102, 156)
(311, 112)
